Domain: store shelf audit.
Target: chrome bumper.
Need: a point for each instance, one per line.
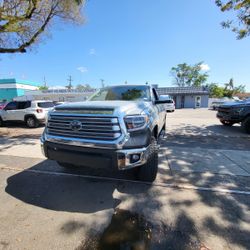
(124, 158)
(130, 158)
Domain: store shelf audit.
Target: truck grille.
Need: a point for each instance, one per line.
(84, 127)
(224, 110)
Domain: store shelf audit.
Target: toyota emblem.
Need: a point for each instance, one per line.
(75, 125)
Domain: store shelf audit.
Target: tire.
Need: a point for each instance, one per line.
(246, 125)
(1, 122)
(65, 165)
(227, 123)
(148, 171)
(31, 122)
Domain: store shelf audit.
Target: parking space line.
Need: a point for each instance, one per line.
(177, 186)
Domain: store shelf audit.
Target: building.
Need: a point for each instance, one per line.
(11, 88)
(187, 97)
(57, 95)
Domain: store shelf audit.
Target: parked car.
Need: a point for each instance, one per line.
(32, 113)
(2, 105)
(235, 112)
(216, 104)
(118, 127)
(170, 105)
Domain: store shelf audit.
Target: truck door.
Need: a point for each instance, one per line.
(161, 110)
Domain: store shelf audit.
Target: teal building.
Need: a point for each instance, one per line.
(11, 88)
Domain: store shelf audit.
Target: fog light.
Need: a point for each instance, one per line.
(134, 158)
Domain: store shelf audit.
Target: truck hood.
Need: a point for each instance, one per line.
(104, 107)
(235, 104)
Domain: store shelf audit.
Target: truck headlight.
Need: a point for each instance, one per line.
(136, 122)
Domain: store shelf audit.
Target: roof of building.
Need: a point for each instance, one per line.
(183, 90)
(18, 81)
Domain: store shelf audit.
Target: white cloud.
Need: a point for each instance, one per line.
(205, 67)
(82, 69)
(92, 52)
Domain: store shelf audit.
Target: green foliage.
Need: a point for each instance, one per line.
(229, 90)
(215, 90)
(241, 26)
(23, 22)
(43, 88)
(189, 75)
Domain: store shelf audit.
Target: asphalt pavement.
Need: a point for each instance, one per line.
(200, 200)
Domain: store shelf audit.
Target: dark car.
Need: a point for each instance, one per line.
(235, 112)
(2, 105)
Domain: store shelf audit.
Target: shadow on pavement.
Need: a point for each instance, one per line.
(178, 230)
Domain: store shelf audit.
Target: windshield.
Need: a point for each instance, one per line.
(122, 93)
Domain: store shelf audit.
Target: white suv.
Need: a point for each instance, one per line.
(31, 112)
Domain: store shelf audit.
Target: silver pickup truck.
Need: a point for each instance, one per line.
(118, 127)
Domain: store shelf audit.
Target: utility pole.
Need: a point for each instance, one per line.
(70, 80)
(44, 82)
(102, 83)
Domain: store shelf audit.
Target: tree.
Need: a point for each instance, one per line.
(241, 26)
(215, 90)
(22, 22)
(83, 87)
(189, 75)
(43, 88)
(230, 89)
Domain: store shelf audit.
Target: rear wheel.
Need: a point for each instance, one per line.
(148, 171)
(1, 122)
(246, 125)
(31, 122)
(227, 123)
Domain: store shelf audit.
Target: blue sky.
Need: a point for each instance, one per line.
(135, 41)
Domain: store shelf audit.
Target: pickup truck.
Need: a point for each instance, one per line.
(118, 128)
(235, 112)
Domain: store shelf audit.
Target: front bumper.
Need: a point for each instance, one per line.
(228, 117)
(121, 159)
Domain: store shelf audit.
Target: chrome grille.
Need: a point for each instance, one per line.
(92, 127)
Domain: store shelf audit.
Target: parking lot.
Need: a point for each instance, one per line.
(200, 199)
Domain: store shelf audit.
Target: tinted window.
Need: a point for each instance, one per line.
(45, 105)
(11, 106)
(23, 105)
(122, 93)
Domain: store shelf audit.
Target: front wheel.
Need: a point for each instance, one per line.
(246, 125)
(227, 123)
(148, 171)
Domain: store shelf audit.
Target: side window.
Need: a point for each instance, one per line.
(24, 105)
(11, 106)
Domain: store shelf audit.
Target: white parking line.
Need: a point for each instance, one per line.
(177, 186)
